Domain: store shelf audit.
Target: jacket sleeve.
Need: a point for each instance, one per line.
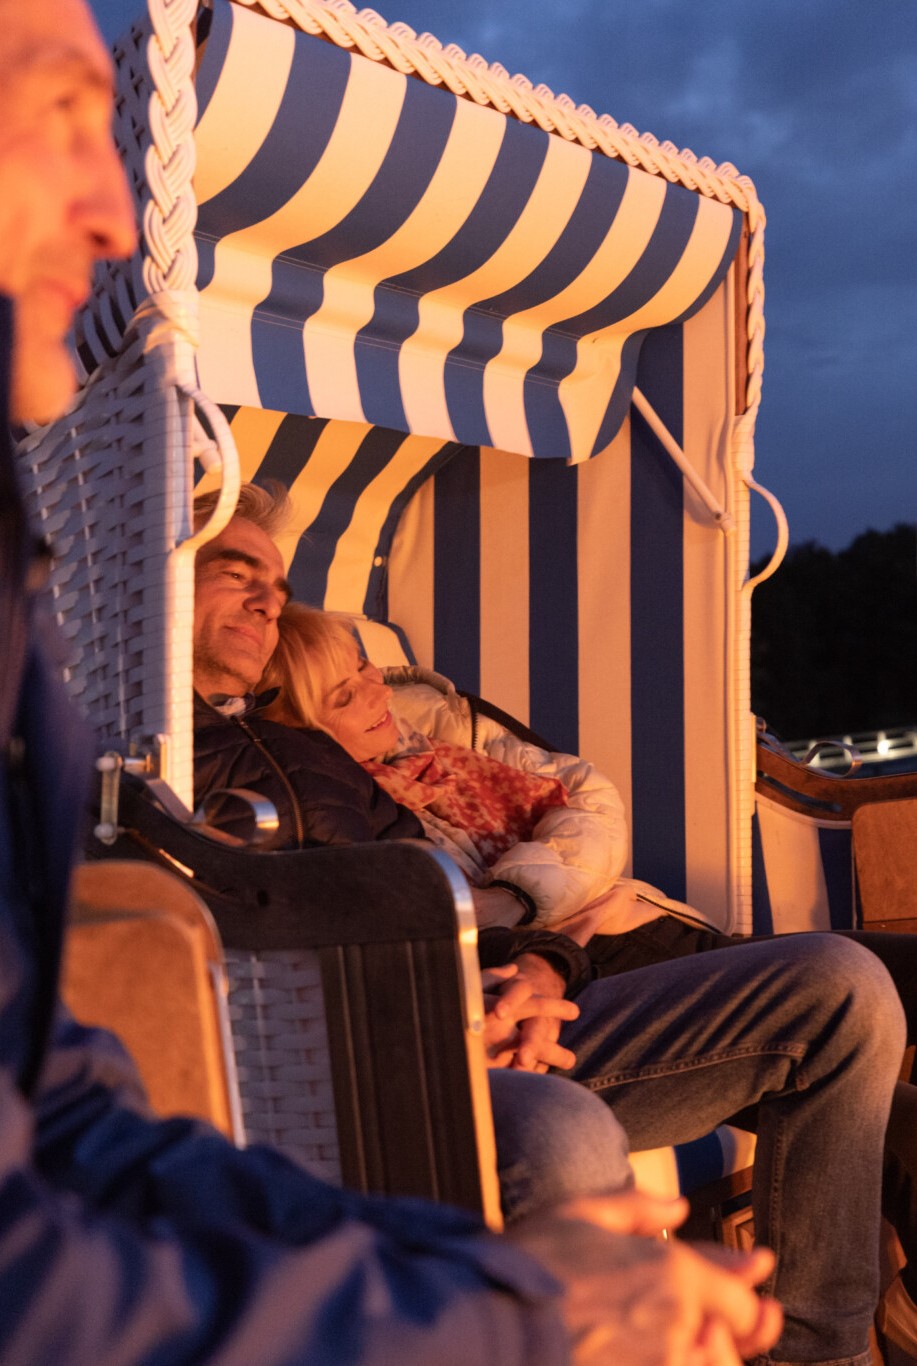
(577, 851)
(499, 944)
(128, 1240)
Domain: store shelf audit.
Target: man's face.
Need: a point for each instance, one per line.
(64, 201)
(238, 593)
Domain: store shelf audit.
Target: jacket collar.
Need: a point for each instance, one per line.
(245, 705)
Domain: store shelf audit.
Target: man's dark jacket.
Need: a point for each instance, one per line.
(129, 1240)
(323, 796)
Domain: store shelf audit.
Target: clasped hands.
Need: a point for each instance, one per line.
(629, 1298)
(525, 1009)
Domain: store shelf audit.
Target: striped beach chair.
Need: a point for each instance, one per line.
(506, 354)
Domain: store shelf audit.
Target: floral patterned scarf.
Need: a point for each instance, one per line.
(496, 806)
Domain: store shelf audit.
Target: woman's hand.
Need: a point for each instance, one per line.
(495, 906)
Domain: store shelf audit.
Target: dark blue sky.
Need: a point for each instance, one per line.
(817, 102)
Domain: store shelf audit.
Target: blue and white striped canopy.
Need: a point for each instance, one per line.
(377, 249)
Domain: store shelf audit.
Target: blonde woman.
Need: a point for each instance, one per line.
(541, 836)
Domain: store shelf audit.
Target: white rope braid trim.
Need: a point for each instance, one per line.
(169, 212)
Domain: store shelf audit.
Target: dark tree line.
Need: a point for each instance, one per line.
(834, 637)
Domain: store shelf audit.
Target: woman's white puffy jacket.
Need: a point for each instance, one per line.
(578, 851)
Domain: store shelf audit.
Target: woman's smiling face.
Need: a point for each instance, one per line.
(356, 710)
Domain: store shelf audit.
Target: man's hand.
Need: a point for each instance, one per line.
(532, 1001)
(649, 1303)
(516, 1014)
(629, 1211)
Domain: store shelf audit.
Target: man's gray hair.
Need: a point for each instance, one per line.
(269, 507)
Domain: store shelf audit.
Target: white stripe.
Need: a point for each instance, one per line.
(381, 644)
(792, 860)
(410, 578)
(584, 393)
(706, 399)
(603, 559)
(505, 535)
(253, 430)
(243, 265)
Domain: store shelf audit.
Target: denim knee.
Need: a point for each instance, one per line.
(841, 974)
(555, 1141)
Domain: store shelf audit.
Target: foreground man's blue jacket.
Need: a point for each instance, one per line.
(124, 1239)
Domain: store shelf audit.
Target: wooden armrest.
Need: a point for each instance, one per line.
(823, 795)
(303, 898)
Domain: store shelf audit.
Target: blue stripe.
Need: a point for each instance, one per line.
(376, 601)
(317, 546)
(834, 847)
(857, 902)
(698, 1161)
(289, 154)
(508, 189)
(546, 422)
(732, 246)
(457, 570)
(290, 449)
(554, 610)
(219, 33)
(280, 371)
(657, 626)
(762, 915)
(482, 335)
(297, 277)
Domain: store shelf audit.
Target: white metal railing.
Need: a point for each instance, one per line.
(874, 747)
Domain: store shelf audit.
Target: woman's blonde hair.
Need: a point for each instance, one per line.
(314, 650)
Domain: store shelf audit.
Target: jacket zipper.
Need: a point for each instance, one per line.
(294, 804)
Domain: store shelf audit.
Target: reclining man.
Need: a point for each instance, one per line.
(127, 1240)
(807, 1029)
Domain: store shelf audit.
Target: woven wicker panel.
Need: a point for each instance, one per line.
(118, 285)
(280, 1037)
(96, 486)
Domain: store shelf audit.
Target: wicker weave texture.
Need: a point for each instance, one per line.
(280, 1037)
(96, 489)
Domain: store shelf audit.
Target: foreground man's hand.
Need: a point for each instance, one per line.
(648, 1303)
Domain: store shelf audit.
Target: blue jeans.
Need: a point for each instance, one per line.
(555, 1141)
(808, 1029)
(667, 937)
